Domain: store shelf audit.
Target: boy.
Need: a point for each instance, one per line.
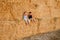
(30, 17)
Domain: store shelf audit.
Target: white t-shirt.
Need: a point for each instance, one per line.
(25, 18)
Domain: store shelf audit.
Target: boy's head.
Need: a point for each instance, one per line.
(30, 12)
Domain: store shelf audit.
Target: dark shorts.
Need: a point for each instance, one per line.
(30, 17)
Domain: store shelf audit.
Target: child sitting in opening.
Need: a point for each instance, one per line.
(25, 17)
(30, 17)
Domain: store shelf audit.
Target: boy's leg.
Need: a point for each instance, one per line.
(26, 21)
(32, 20)
(29, 20)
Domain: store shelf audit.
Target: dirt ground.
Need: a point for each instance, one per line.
(46, 15)
(54, 35)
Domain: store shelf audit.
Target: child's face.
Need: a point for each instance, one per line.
(25, 13)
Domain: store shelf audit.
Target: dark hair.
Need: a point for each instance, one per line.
(30, 12)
